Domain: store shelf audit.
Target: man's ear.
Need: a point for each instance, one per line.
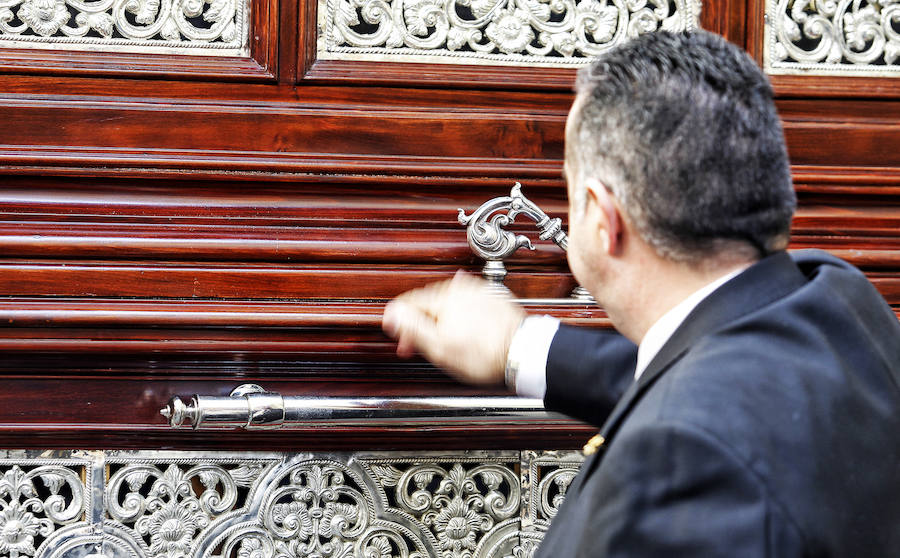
(609, 220)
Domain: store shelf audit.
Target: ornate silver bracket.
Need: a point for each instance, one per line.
(251, 407)
(484, 231)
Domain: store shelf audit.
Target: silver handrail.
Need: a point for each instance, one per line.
(251, 407)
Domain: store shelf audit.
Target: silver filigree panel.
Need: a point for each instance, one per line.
(164, 505)
(859, 37)
(270, 505)
(40, 500)
(215, 27)
(504, 32)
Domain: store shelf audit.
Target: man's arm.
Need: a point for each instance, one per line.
(458, 325)
(588, 370)
(461, 327)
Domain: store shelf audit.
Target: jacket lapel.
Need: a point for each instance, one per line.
(761, 284)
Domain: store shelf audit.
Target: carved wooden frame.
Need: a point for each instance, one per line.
(811, 85)
(723, 18)
(261, 65)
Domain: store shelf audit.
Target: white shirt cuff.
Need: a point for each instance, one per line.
(528, 353)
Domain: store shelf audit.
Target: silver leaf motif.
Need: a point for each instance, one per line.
(388, 475)
(181, 500)
(519, 32)
(861, 37)
(170, 26)
(158, 504)
(44, 17)
(28, 515)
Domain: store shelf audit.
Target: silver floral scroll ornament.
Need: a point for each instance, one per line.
(828, 36)
(322, 508)
(197, 504)
(491, 242)
(34, 503)
(168, 506)
(512, 32)
(177, 26)
(460, 505)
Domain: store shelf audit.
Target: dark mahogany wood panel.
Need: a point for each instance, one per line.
(123, 413)
(279, 141)
(177, 225)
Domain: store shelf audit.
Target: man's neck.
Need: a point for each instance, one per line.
(659, 286)
(664, 327)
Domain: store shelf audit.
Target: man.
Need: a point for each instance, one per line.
(760, 413)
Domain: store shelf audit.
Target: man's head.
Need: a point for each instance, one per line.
(682, 130)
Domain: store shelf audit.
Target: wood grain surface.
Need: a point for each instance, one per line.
(172, 225)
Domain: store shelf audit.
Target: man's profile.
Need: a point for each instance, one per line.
(749, 404)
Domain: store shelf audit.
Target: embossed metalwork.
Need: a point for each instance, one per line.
(321, 507)
(250, 406)
(169, 504)
(172, 26)
(514, 32)
(38, 497)
(484, 227)
(459, 502)
(548, 476)
(488, 239)
(833, 36)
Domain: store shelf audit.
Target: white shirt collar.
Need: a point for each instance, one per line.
(665, 326)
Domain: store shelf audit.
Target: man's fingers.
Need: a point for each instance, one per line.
(390, 320)
(428, 300)
(400, 315)
(405, 348)
(414, 329)
(452, 324)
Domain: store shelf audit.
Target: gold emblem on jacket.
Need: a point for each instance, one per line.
(594, 444)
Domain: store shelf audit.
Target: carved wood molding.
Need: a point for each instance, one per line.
(490, 32)
(271, 165)
(366, 65)
(321, 139)
(71, 37)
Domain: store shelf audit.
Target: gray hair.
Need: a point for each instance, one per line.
(682, 129)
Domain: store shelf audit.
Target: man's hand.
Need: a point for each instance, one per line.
(458, 325)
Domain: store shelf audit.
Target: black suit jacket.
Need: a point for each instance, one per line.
(768, 425)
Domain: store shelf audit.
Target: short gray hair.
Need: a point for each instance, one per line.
(682, 129)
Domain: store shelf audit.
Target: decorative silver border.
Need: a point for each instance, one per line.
(161, 504)
(238, 47)
(499, 33)
(849, 41)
